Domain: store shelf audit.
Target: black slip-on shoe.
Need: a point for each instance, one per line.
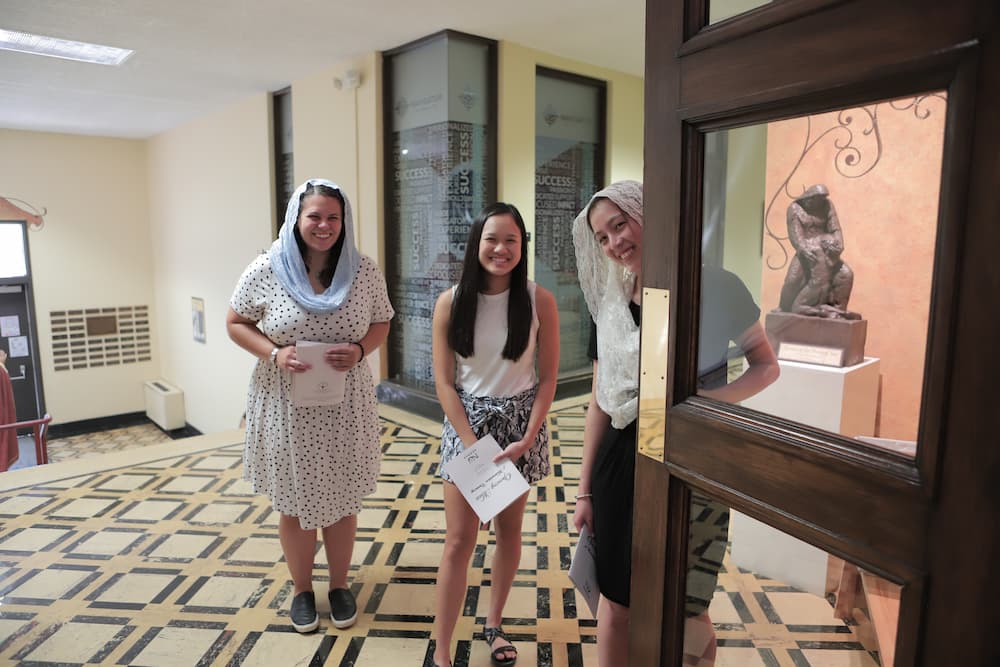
(343, 608)
(303, 612)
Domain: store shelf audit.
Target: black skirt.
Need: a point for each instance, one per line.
(612, 481)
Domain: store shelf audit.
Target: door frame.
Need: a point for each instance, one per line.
(26, 282)
(931, 533)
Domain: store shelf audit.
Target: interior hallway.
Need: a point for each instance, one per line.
(159, 555)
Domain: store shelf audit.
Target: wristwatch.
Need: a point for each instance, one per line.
(274, 356)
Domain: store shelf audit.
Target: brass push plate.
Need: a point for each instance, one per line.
(653, 372)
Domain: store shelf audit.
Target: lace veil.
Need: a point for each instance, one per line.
(607, 288)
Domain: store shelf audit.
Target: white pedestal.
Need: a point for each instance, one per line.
(768, 551)
(841, 400)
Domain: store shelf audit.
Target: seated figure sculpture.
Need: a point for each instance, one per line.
(818, 282)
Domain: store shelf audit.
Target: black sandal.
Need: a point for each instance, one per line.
(497, 654)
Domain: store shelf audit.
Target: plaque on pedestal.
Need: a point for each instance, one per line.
(817, 340)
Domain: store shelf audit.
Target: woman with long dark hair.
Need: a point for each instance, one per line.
(489, 333)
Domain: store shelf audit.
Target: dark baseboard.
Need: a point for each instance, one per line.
(98, 424)
(412, 400)
(576, 384)
(186, 431)
(426, 404)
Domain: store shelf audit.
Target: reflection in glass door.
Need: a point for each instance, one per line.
(838, 271)
(758, 596)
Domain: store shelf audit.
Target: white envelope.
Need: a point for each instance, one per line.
(488, 487)
(321, 384)
(583, 569)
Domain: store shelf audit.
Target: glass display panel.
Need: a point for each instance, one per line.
(720, 10)
(440, 180)
(819, 239)
(12, 251)
(568, 170)
(758, 596)
(284, 176)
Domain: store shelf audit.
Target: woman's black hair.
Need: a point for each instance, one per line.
(462, 327)
(332, 257)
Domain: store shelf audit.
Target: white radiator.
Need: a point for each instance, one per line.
(164, 404)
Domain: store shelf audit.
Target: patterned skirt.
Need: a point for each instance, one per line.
(505, 418)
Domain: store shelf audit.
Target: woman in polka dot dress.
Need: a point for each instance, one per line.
(316, 464)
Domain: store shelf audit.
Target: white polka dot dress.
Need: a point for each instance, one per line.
(315, 463)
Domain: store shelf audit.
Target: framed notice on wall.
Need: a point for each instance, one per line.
(198, 319)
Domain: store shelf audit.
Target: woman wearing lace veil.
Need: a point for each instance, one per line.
(607, 236)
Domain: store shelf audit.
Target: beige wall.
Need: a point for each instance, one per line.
(210, 207)
(94, 251)
(745, 204)
(182, 214)
(516, 137)
(337, 134)
(211, 193)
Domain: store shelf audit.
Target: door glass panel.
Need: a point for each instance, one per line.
(758, 596)
(818, 246)
(720, 10)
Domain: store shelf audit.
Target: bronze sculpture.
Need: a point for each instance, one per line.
(818, 282)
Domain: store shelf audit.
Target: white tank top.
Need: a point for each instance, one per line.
(486, 372)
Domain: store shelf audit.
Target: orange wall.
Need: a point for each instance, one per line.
(888, 217)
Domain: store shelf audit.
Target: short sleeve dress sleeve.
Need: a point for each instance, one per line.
(382, 310)
(250, 297)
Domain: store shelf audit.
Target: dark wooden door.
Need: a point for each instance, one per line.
(20, 345)
(18, 330)
(927, 521)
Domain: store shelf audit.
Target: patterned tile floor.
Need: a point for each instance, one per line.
(161, 556)
(103, 442)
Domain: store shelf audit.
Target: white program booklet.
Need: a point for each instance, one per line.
(583, 569)
(488, 487)
(321, 384)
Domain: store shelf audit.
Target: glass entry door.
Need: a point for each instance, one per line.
(820, 214)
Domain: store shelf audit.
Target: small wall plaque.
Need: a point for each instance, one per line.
(198, 319)
(101, 325)
(811, 354)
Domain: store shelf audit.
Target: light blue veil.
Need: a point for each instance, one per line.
(290, 269)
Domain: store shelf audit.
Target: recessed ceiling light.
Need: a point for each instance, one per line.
(25, 42)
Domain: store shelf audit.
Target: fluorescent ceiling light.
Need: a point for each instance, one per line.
(25, 42)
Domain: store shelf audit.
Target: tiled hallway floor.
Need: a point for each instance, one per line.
(74, 447)
(161, 556)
